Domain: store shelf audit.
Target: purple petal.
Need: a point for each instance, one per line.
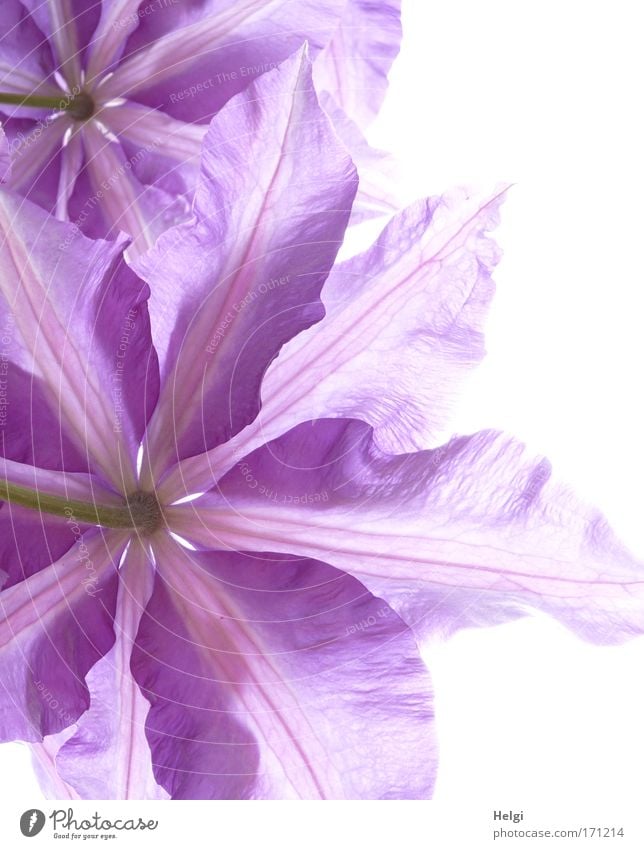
(57, 483)
(31, 436)
(108, 757)
(159, 160)
(470, 533)
(143, 126)
(353, 67)
(102, 376)
(67, 25)
(194, 57)
(5, 158)
(125, 204)
(403, 326)
(37, 158)
(31, 540)
(270, 678)
(118, 20)
(378, 193)
(271, 211)
(53, 628)
(27, 67)
(418, 296)
(43, 758)
(71, 164)
(26, 64)
(24, 403)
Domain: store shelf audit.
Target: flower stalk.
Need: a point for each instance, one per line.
(38, 101)
(132, 514)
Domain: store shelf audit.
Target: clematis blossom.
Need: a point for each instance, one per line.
(107, 103)
(224, 531)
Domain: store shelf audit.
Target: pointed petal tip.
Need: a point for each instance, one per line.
(277, 225)
(475, 532)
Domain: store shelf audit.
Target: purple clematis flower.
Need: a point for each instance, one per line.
(132, 86)
(238, 525)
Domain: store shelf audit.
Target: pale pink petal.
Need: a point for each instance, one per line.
(403, 326)
(37, 457)
(108, 757)
(469, 533)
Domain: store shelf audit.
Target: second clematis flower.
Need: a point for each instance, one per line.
(107, 103)
(223, 530)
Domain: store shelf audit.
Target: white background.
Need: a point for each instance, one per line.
(546, 95)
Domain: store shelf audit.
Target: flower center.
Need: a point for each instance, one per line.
(81, 106)
(145, 511)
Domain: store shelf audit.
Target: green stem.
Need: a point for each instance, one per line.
(75, 511)
(38, 101)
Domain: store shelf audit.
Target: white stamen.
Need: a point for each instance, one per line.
(109, 135)
(62, 82)
(187, 498)
(115, 101)
(139, 460)
(182, 542)
(124, 555)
